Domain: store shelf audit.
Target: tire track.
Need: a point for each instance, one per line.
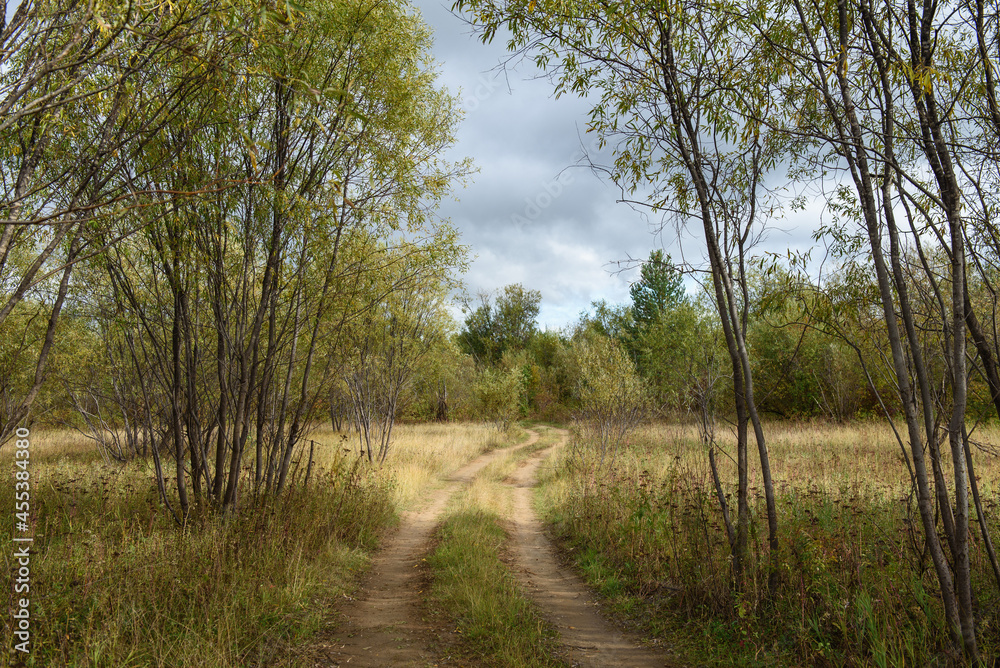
(385, 625)
(561, 595)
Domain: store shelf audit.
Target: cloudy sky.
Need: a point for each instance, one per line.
(530, 215)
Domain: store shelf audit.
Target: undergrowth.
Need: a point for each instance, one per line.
(114, 581)
(855, 587)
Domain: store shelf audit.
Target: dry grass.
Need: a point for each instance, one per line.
(855, 588)
(859, 458)
(52, 445)
(488, 490)
(115, 582)
(421, 455)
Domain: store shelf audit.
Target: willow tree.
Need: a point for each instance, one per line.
(613, 398)
(334, 137)
(73, 123)
(401, 316)
(879, 97)
(671, 84)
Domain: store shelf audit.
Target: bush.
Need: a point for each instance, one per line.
(613, 399)
(498, 396)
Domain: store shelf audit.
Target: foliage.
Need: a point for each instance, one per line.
(442, 387)
(500, 324)
(707, 104)
(498, 396)
(613, 399)
(236, 314)
(660, 288)
(87, 93)
(389, 339)
(608, 320)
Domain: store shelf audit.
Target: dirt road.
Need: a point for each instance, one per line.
(386, 625)
(562, 597)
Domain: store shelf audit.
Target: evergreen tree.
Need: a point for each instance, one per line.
(660, 287)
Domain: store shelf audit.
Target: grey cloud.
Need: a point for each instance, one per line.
(530, 215)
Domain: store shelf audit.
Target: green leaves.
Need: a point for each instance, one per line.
(660, 287)
(492, 329)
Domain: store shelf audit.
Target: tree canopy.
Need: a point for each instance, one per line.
(660, 287)
(506, 322)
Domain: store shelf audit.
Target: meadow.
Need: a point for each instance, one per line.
(855, 588)
(115, 582)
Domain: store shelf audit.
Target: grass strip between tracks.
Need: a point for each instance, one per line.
(473, 586)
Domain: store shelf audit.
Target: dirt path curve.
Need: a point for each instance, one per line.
(384, 625)
(561, 595)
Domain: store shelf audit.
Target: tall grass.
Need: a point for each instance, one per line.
(423, 455)
(855, 587)
(114, 582)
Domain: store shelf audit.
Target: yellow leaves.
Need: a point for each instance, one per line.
(102, 24)
(926, 80)
(253, 159)
(922, 78)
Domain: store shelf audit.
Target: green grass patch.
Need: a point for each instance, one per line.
(476, 590)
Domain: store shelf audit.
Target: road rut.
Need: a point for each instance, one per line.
(561, 595)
